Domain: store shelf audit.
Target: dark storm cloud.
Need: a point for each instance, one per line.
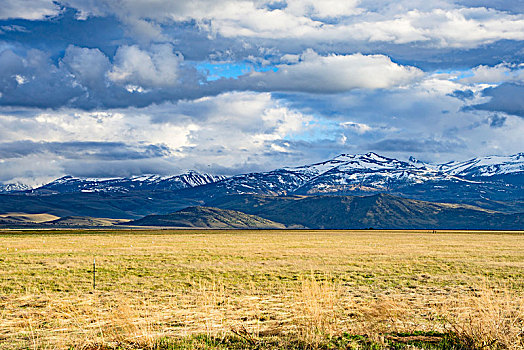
(497, 121)
(507, 98)
(463, 94)
(33, 81)
(415, 145)
(119, 167)
(80, 80)
(82, 150)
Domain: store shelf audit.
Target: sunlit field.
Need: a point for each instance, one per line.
(261, 289)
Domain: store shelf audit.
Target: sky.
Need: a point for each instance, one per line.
(107, 88)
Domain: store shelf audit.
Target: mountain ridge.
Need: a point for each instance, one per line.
(369, 170)
(69, 184)
(245, 211)
(371, 173)
(208, 217)
(379, 211)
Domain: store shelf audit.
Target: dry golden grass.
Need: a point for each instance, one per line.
(307, 285)
(491, 317)
(36, 218)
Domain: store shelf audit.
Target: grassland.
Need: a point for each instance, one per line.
(261, 289)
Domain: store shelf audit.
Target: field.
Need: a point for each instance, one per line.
(261, 289)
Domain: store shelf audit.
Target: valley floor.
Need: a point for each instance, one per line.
(261, 289)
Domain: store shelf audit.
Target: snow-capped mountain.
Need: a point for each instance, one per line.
(341, 170)
(343, 173)
(495, 178)
(363, 174)
(368, 172)
(69, 184)
(486, 166)
(13, 187)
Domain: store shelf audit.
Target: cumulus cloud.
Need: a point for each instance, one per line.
(438, 23)
(88, 66)
(443, 24)
(462, 27)
(157, 67)
(389, 121)
(85, 78)
(34, 80)
(226, 133)
(502, 72)
(236, 130)
(333, 73)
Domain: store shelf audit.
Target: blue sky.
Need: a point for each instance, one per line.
(118, 88)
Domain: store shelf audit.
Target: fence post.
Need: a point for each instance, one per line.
(94, 273)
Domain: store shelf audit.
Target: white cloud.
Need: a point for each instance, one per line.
(323, 9)
(117, 126)
(436, 23)
(502, 72)
(455, 27)
(229, 131)
(335, 73)
(89, 66)
(359, 128)
(471, 27)
(28, 9)
(234, 129)
(157, 67)
(33, 170)
(444, 26)
(353, 99)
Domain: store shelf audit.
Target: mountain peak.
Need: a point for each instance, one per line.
(374, 155)
(371, 155)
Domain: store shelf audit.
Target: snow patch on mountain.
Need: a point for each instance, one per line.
(13, 187)
(68, 184)
(486, 166)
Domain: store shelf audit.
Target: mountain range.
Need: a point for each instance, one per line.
(70, 184)
(348, 174)
(480, 181)
(489, 186)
